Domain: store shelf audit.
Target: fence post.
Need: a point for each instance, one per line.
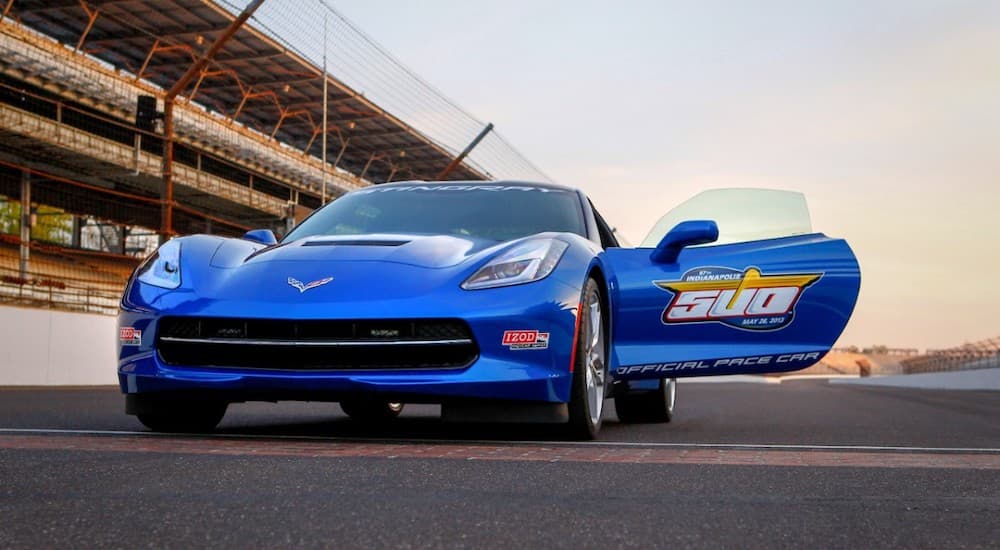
(25, 223)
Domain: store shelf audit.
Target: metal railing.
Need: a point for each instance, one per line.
(961, 358)
(66, 293)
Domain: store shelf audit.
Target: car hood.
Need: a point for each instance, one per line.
(371, 275)
(436, 252)
(321, 269)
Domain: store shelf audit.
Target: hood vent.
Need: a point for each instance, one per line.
(356, 242)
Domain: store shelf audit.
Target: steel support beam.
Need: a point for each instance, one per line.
(458, 160)
(167, 187)
(387, 133)
(248, 95)
(149, 57)
(91, 18)
(162, 33)
(368, 165)
(330, 103)
(324, 127)
(219, 59)
(343, 149)
(201, 78)
(77, 229)
(312, 139)
(287, 114)
(196, 68)
(293, 78)
(25, 263)
(6, 9)
(157, 48)
(55, 5)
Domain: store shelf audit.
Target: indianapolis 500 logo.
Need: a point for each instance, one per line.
(743, 299)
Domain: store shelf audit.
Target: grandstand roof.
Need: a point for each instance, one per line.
(254, 79)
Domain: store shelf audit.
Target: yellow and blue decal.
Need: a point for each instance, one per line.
(745, 299)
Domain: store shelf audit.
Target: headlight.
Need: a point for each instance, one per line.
(163, 268)
(529, 261)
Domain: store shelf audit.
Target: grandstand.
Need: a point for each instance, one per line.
(65, 278)
(97, 150)
(882, 360)
(976, 355)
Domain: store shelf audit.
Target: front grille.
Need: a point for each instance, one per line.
(316, 344)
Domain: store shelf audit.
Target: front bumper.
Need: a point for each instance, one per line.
(501, 372)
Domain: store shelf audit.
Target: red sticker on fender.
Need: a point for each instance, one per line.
(129, 336)
(525, 339)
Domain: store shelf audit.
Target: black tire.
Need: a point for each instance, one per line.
(588, 393)
(183, 417)
(371, 411)
(648, 406)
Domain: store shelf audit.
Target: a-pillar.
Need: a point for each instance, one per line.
(25, 223)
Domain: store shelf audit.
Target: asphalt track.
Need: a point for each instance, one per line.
(798, 464)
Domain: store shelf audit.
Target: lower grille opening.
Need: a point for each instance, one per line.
(316, 345)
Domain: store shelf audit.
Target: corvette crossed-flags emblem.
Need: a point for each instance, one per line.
(307, 286)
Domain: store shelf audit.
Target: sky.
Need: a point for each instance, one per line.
(886, 114)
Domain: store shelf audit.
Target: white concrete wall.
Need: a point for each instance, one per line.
(41, 347)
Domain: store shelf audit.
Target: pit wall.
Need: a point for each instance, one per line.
(44, 347)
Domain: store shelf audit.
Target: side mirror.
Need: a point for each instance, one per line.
(684, 234)
(262, 236)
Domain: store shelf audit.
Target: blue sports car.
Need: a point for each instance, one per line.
(501, 301)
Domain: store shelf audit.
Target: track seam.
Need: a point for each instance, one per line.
(577, 444)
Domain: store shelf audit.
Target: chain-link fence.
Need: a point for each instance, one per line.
(318, 32)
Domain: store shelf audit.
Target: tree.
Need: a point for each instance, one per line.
(10, 216)
(51, 224)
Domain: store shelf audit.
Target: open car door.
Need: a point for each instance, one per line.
(731, 282)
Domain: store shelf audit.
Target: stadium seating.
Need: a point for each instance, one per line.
(63, 278)
(975, 355)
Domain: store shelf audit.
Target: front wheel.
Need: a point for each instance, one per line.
(371, 411)
(183, 417)
(590, 370)
(648, 406)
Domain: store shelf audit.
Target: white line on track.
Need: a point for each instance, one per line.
(612, 444)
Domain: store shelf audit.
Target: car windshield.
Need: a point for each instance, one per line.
(494, 212)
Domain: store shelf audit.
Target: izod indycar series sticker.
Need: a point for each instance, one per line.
(525, 339)
(745, 299)
(129, 336)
